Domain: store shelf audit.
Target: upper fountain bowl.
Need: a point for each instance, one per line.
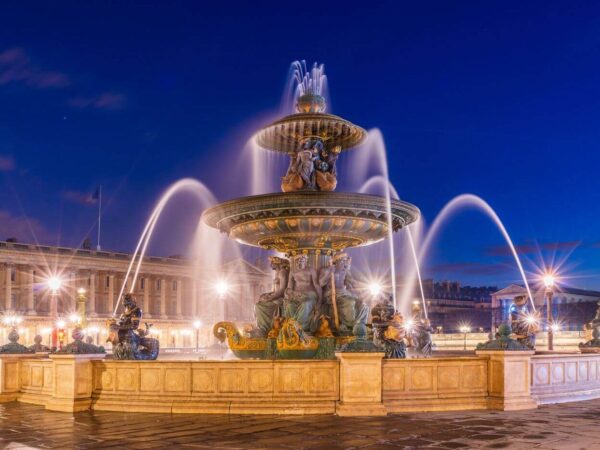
(311, 103)
(309, 220)
(287, 134)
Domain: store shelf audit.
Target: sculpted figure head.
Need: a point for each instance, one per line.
(279, 263)
(342, 260)
(301, 261)
(129, 301)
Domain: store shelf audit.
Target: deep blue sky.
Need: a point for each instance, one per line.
(499, 99)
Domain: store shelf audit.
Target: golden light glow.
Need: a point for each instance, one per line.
(54, 283)
(549, 280)
(222, 288)
(60, 324)
(374, 288)
(197, 324)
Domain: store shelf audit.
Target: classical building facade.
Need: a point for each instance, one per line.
(571, 307)
(172, 294)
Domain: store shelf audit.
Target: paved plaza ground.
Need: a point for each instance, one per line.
(568, 426)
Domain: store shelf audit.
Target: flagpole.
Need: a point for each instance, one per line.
(99, 215)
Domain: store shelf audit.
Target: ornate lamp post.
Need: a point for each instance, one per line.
(197, 325)
(549, 283)
(464, 329)
(81, 300)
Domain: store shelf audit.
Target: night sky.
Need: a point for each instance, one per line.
(499, 99)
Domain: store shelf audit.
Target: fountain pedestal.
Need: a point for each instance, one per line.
(509, 379)
(73, 382)
(360, 384)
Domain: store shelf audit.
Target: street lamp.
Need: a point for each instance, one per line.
(197, 325)
(464, 329)
(222, 287)
(549, 283)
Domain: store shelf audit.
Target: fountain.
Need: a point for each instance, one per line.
(311, 224)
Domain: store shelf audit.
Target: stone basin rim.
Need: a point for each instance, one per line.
(216, 215)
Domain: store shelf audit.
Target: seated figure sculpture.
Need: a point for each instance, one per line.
(128, 341)
(270, 304)
(302, 294)
(592, 333)
(523, 323)
(336, 280)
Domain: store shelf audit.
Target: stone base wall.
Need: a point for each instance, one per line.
(353, 384)
(435, 384)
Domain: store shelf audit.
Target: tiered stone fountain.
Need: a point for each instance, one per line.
(312, 225)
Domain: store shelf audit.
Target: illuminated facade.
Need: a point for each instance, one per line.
(171, 296)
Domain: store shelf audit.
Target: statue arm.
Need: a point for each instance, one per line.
(324, 276)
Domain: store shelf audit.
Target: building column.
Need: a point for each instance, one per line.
(111, 293)
(7, 289)
(92, 294)
(194, 297)
(147, 287)
(29, 293)
(178, 294)
(163, 298)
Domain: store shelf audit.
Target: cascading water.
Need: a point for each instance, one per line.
(202, 193)
(302, 80)
(379, 181)
(460, 201)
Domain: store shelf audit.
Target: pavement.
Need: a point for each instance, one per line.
(569, 426)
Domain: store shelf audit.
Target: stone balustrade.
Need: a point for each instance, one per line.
(557, 378)
(353, 384)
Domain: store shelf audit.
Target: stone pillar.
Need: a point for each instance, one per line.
(73, 382)
(179, 285)
(360, 384)
(194, 298)
(29, 293)
(147, 287)
(92, 294)
(509, 379)
(163, 298)
(111, 293)
(7, 288)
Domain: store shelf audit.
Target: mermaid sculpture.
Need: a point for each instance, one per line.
(128, 341)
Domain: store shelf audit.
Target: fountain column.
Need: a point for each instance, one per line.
(8, 288)
(163, 298)
(29, 288)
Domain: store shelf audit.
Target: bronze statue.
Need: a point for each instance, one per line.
(326, 174)
(524, 324)
(592, 331)
(128, 341)
(340, 301)
(38, 346)
(13, 345)
(302, 294)
(78, 346)
(270, 304)
(395, 338)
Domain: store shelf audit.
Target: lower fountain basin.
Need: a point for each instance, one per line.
(295, 221)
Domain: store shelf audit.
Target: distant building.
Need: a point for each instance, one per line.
(451, 305)
(169, 291)
(571, 307)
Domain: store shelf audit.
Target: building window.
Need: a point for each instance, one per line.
(13, 274)
(108, 281)
(158, 284)
(142, 283)
(174, 285)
